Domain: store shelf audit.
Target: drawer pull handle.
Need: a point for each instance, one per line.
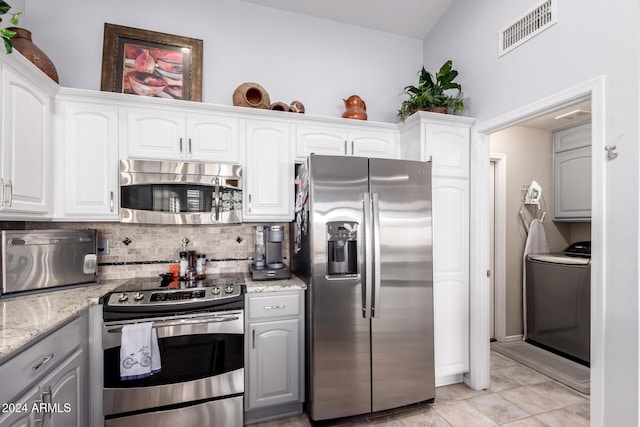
(273, 307)
(43, 361)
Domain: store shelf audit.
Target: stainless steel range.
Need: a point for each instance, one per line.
(200, 330)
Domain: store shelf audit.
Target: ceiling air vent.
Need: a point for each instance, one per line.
(531, 24)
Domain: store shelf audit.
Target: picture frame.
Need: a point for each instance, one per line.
(150, 63)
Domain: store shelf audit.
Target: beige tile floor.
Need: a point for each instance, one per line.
(518, 397)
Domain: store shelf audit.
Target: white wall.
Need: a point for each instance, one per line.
(592, 38)
(294, 57)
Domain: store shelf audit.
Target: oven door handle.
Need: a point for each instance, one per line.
(188, 322)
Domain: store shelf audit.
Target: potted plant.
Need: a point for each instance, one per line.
(5, 33)
(431, 93)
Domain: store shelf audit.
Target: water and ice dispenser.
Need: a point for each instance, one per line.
(342, 248)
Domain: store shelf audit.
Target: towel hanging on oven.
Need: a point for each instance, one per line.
(139, 351)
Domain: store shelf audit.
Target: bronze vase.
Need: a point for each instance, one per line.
(22, 43)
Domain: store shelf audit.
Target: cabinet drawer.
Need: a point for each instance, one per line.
(30, 365)
(274, 305)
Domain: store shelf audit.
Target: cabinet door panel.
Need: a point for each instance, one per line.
(25, 148)
(269, 187)
(213, 138)
(89, 172)
(320, 140)
(451, 275)
(375, 144)
(572, 138)
(273, 363)
(572, 184)
(155, 134)
(67, 392)
(450, 150)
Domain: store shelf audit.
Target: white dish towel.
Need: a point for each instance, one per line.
(139, 351)
(536, 244)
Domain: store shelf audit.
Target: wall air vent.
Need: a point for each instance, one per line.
(530, 25)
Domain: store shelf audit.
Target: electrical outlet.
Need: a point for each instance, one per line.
(103, 246)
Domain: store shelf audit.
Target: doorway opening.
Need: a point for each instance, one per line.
(593, 90)
(530, 147)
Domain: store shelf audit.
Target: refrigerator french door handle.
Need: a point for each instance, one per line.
(366, 244)
(375, 214)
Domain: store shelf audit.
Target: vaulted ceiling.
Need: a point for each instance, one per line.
(411, 18)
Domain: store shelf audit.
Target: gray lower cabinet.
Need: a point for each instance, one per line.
(46, 384)
(274, 380)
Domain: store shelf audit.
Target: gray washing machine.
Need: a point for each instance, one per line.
(558, 301)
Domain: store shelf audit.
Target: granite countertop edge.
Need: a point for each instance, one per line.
(25, 319)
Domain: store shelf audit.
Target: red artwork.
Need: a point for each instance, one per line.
(152, 72)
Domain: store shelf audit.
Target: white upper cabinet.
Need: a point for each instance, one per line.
(347, 139)
(87, 159)
(25, 139)
(268, 172)
(172, 133)
(572, 174)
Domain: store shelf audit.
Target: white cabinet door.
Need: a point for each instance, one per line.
(180, 134)
(382, 143)
(325, 140)
(451, 275)
(268, 171)
(572, 138)
(212, 138)
(87, 172)
(25, 147)
(572, 185)
(345, 140)
(274, 363)
(154, 134)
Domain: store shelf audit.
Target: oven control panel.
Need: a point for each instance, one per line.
(156, 297)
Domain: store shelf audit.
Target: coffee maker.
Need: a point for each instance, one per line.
(268, 263)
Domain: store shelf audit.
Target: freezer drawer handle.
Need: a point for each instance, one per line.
(274, 307)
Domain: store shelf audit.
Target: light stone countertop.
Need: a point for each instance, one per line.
(24, 318)
(257, 286)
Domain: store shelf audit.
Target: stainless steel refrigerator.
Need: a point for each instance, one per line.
(362, 239)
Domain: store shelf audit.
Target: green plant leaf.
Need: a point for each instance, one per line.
(7, 44)
(4, 7)
(14, 18)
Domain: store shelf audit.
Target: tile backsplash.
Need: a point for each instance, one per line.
(152, 248)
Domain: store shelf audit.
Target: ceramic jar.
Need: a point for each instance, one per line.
(22, 43)
(355, 108)
(251, 95)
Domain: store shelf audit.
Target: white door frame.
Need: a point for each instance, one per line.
(500, 246)
(479, 369)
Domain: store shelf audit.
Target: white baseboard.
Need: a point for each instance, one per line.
(512, 338)
(448, 379)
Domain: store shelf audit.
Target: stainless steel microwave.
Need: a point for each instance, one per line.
(169, 192)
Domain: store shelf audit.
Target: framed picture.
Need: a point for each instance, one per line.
(148, 63)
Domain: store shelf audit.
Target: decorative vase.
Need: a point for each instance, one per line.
(279, 106)
(22, 43)
(355, 108)
(251, 95)
(296, 107)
